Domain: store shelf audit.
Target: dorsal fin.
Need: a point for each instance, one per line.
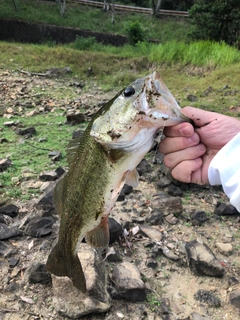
(72, 147)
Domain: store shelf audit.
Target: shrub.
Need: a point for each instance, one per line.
(135, 32)
(216, 20)
(82, 43)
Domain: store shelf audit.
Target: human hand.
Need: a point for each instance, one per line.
(188, 151)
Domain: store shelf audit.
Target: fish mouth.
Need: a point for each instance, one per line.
(159, 104)
(151, 108)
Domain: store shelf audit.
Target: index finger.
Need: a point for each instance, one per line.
(183, 129)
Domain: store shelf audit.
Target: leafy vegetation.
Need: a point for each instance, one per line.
(216, 20)
(135, 32)
(95, 19)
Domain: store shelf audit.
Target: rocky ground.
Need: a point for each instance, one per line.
(174, 251)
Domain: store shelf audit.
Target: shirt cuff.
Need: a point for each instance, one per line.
(224, 170)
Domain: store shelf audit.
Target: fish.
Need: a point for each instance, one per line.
(100, 162)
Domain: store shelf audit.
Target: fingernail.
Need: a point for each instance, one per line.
(201, 147)
(194, 138)
(184, 131)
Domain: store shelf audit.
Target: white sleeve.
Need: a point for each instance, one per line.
(224, 170)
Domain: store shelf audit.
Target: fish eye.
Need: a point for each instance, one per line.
(129, 91)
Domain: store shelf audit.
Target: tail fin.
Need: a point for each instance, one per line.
(67, 265)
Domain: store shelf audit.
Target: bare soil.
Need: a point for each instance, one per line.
(171, 283)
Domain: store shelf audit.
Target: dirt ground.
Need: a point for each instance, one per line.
(170, 284)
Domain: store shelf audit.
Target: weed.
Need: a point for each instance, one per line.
(153, 301)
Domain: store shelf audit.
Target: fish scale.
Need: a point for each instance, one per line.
(100, 162)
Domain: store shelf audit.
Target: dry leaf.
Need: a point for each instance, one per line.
(27, 300)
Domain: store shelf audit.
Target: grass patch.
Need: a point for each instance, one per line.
(112, 70)
(95, 19)
(29, 156)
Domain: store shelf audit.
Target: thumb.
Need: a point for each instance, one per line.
(200, 117)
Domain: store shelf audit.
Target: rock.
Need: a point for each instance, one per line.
(27, 131)
(37, 273)
(5, 219)
(151, 233)
(115, 230)
(234, 298)
(197, 316)
(128, 282)
(144, 167)
(77, 133)
(4, 164)
(12, 287)
(125, 190)
(60, 171)
(224, 209)
(80, 84)
(169, 254)
(151, 263)
(198, 218)
(113, 256)
(9, 123)
(77, 304)
(13, 262)
(202, 261)
(167, 204)
(163, 182)
(75, 118)
(49, 176)
(39, 226)
(5, 249)
(207, 297)
(171, 219)
(10, 210)
(155, 218)
(225, 248)
(192, 98)
(174, 191)
(6, 232)
(232, 281)
(45, 201)
(55, 155)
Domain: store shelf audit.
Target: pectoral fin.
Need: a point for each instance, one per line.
(99, 236)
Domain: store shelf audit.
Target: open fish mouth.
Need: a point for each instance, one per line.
(140, 110)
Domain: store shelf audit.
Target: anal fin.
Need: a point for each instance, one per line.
(99, 236)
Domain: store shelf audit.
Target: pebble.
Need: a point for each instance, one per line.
(225, 248)
(202, 260)
(207, 297)
(234, 298)
(128, 282)
(151, 233)
(8, 232)
(4, 164)
(39, 226)
(10, 210)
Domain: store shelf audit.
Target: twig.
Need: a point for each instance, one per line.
(33, 73)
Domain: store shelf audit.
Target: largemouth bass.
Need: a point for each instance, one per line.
(100, 162)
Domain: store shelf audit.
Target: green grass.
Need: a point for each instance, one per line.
(185, 68)
(94, 19)
(29, 156)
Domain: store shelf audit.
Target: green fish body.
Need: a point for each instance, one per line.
(101, 162)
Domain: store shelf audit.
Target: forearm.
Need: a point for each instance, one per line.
(225, 170)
